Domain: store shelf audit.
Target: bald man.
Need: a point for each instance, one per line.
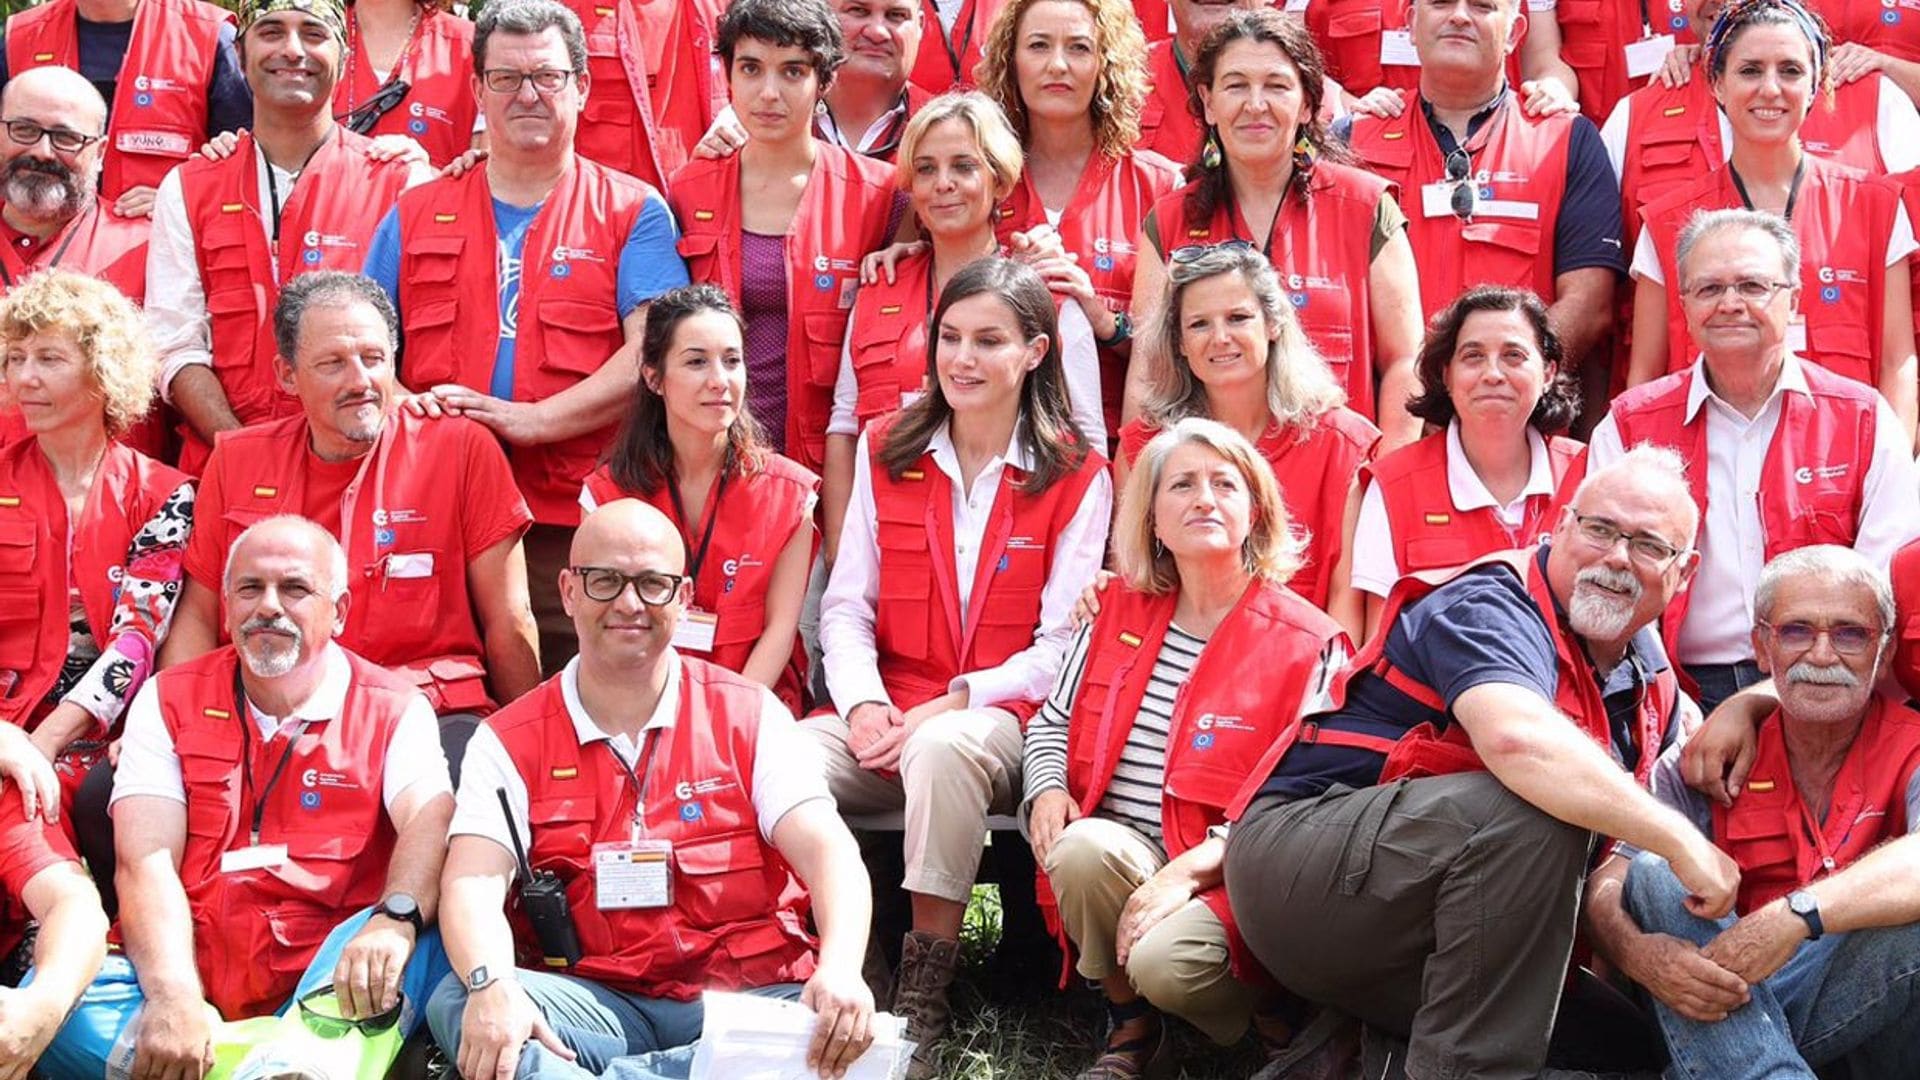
(677, 803)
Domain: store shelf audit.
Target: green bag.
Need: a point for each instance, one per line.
(310, 1042)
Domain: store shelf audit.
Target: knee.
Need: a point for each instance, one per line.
(1168, 966)
(940, 742)
(1078, 856)
(1652, 891)
(446, 1008)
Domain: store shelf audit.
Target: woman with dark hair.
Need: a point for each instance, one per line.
(409, 71)
(1270, 176)
(783, 224)
(977, 515)
(1492, 378)
(690, 448)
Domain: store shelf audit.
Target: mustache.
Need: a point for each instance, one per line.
(278, 624)
(43, 166)
(1822, 675)
(1619, 581)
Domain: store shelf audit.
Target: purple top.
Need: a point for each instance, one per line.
(763, 306)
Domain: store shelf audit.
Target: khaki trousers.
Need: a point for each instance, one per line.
(1181, 964)
(957, 768)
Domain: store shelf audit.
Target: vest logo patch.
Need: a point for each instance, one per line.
(687, 790)
(566, 772)
(1673, 110)
(563, 253)
(1807, 474)
(1438, 519)
(1129, 639)
(265, 492)
(703, 215)
(691, 811)
(1760, 786)
(444, 219)
(1390, 136)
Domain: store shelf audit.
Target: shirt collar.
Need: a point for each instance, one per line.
(940, 445)
(1645, 654)
(585, 730)
(1792, 377)
(1444, 135)
(1470, 492)
(889, 122)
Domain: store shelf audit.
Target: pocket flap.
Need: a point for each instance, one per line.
(432, 313)
(1357, 23)
(1667, 154)
(1839, 338)
(1434, 552)
(583, 316)
(1520, 236)
(560, 809)
(721, 854)
(18, 541)
(696, 245)
(231, 302)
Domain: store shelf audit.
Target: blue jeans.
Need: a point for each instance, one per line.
(1718, 682)
(1852, 996)
(613, 1034)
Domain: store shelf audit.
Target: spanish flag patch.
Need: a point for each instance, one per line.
(43, 58)
(913, 474)
(1439, 519)
(445, 219)
(603, 12)
(217, 714)
(1673, 110)
(566, 772)
(265, 492)
(9, 501)
(890, 309)
(233, 208)
(1130, 639)
(1392, 135)
(1760, 786)
(703, 215)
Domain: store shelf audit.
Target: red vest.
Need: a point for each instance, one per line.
(1843, 219)
(1774, 836)
(1594, 35)
(923, 638)
(422, 628)
(1824, 444)
(1905, 572)
(36, 561)
(1348, 33)
(97, 242)
(646, 123)
(1315, 470)
(1909, 182)
(439, 109)
(327, 223)
(158, 116)
(750, 527)
(1847, 129)
(1322, 247)
(1430, 534)
(947, 60)
(1520, 159)
(568, 321)
(888, 147)
(1167, 127)
(738, 918)
(843, 215)
(1245, 693)
(254, 931)
(1889, 27)
(887, 339)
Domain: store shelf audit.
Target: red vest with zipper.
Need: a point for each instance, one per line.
(1594, 35)
(1771, 832)
(1322, 247)
(36, 561)
(947, 59)
(1888, 26)
(255, 931)
(923, 639)
(439, 109)
(1523, 159)
(326, 224)
(1905, 572)
(1245, 692)
(843, 215)
(887, 339)
(738, 917)
(424, 628)
(1815, 475)
(1430, 534)
(158, 116)
(1315, 470)
(569, 321)
(639, 122)
(1167, 127)
(752, 525)
(1843, 219)
(1349, 34)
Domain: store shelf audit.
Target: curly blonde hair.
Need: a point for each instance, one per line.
(106, 327)
(1118, 91)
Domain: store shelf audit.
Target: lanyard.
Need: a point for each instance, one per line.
(695, 559)
(350, 498)
(245, 714)
(73, 230)
(648, 745)
(1793, 190)
(399, 63)
(954, 57)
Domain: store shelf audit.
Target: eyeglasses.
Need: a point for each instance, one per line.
(1748, 289)
(65, 140)
(1466, 194)
(1847, 639)
(508, 81)
(1644, 547)
(328, 1026)
(1194, 252)
(605, 584)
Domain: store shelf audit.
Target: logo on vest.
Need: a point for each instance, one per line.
(309, 800)
(145, 86)
(1217, 723)
(564, 257)
(686, 790)
(314, 241)
(1807, 474)
(1104, 251)
(1832, 278)
(419, 114)
(114, 574)
(314, 778)
(691, 811)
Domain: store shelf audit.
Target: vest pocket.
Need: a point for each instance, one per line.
(1760, 839)
(1359, 20)
(1505, 251)
(720, 878)
(233, 317)
(740, 624)
(578, 335)
(1436, 552)
(698, 245)
(426, 354)
(562, 839)
(20, 599)
(1840, 342)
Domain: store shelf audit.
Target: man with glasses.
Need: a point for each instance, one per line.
(1781, 452)
(298, 193)
(687, 819)
(1413, 857)
(540, 240)
(1821, 961)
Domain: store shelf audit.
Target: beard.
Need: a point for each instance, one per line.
(43, 189)
(266, 657)
(1827, 709)
(1598, 614)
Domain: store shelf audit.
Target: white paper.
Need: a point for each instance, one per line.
(1396, 49)
(747, 1037)
(1645, 56)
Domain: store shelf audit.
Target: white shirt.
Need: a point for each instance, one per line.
(1375, 566)
(1732, 542)
(787, 768)
(847, 609)
(176, 308)
(149, 764)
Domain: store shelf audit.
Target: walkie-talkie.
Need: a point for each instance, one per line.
(543, 896)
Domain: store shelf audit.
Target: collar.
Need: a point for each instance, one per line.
(1444, 135)
(940, 445)
(585, 730)
(890, 122)
(1793, 378)
(327, 699)
(1470, 492)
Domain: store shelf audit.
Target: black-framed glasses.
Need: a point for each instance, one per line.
(1465, 197)
(1646, 548)
(1847, 639)
(1751, 290)
(508, 81)
(1194, 252)
(65, 140)
(328, 1026)
(605, 584)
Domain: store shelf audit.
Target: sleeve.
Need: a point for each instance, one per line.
(1150, 231)
(1028, 674)
(1388, 219)
(485, 770)
(846, 390)
(1897, 130)
(149, 586)
(206, 551)
(1044, 760)
(847, 608)
(1646, 258)
(414, 755)
(176, 300)
(1900, 241)
(588, 504)
(1080, 356)
(1890, 498)
(1603, 446)
(148, 763)
(1614, 134)
(27, 847)
(787, 766)
(650, 263)
(1375, 568)
(492, 508)
(383, 256)
(1587, 233)
(229, 101)
(1478, 629)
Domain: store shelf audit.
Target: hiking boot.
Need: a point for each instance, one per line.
(927, 966)
(1136, 1043)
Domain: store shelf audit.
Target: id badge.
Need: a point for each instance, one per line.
(1645, 56)
(1436, 199)
(1296, 7)
(1396, 48)
(633, 875)
(254, 857)
(695, 632)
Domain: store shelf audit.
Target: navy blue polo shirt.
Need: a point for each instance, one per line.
(103, 48)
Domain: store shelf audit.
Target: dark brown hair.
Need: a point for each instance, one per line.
(1559, 400)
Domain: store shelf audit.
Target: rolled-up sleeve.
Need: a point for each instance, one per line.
(176, 308)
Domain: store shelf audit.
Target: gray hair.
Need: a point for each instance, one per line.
(1644, 461)
(325, 289)
(1836, 565)
(1708, 222)
(530, 17)
(336, 556)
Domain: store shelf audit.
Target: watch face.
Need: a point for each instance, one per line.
(477, 978)
(400, 905)
(1800, 903)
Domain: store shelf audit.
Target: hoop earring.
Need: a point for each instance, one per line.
(1159, 548)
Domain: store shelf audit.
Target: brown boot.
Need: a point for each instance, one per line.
(927, 966)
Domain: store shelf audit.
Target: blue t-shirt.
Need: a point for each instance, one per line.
(103, 48)
(650, 264)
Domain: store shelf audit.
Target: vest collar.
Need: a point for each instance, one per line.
(586, 731)
(324, 704)
(1793, 377)
(1469, 492)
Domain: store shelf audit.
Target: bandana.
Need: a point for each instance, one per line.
(331, 12)
(1737, 13)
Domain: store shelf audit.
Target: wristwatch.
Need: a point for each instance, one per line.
(1122, 331)
(1802, 903)
(480, 978)
(402, 908)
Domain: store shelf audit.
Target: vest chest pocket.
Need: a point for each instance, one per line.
(741, 623)
(720, 878)
(234, 320)
(1435, 553)
(427, 352)
(1761, 839)
(697, 248)
(577, 336)
(209, 771)
(1505, 252)
(1354, 20)
(20, 598)
(1837, 337)
(901, 625)
(562, 834)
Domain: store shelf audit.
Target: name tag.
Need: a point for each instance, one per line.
(1645, 56)
(417, 564)
(634, 875)
(153, 142)
(257, 857)
(1296, 6)
(1797, 337)
(1508, 208)
(695, 632)
(1396, 48)
(1436, 199)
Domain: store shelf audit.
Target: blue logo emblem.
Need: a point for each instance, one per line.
(383, 537)
(1001, 566)
(311, 256)
(1299, 299)
(1203, 740)
(1678, 22)
(823, 282)
(1486, 192)
(1829, 294)
(310, 800)
(690, 811)
(1103, 262)
(1891, 18)
(418, 127)
(143, 99)
(726, 586)
(561, 269)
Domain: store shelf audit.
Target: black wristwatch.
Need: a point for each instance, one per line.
(1802, 903)
(1122, 331)
(480, 978)
(402, 908)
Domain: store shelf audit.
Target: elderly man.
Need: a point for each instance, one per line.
(298, 193)
(1415, 856)
(581, 251)
(425, 509)
(280, 808)
(1781, 452)
(1823, 961)
(685, 816)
